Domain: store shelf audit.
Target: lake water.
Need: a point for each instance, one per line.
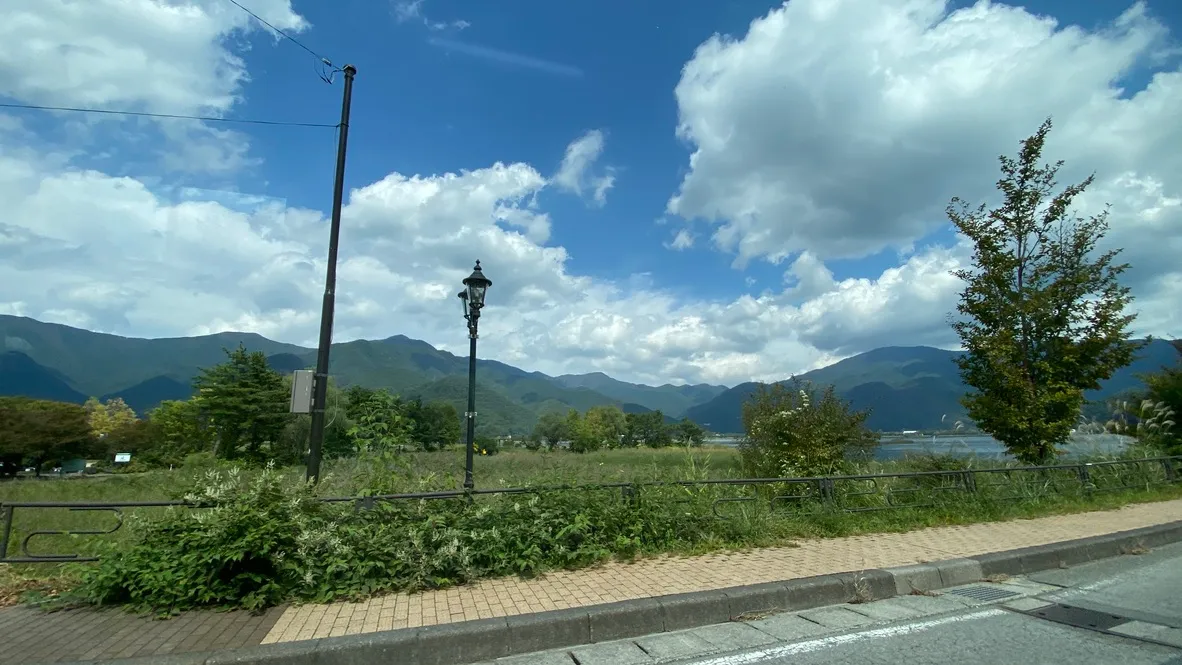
(980, 446)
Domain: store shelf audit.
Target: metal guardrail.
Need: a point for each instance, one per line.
(852, 493)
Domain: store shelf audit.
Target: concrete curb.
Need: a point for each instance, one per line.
(488, 639)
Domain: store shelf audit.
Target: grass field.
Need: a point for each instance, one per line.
(442, 470)
(515, 468)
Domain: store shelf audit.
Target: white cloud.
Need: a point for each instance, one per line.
(843, 127)
(412, 11)
(575, 173)
(505, 57)
(153, 56)
(146, 55)
(682, 239)
(860, 167)
(808, 277)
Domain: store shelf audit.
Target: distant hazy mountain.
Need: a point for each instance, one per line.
(907, 387)
(669, 399)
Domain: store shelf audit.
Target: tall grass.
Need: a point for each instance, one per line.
(755, 519)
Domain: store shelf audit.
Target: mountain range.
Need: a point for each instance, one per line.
(915, 387)
(53, 361)
(906, 387)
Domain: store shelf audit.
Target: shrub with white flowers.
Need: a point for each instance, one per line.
(791, 431)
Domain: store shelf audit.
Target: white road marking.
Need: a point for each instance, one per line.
(836, 640)
(1119, 578)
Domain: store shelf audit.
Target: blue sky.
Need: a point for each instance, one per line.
(422, 107)
(829, 136)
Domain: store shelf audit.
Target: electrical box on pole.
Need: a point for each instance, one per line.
(301, 391)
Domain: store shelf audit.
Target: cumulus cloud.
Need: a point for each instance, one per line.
(160, 57)
(150, 56)
(808, 277)
(894, 106)
(843, 127)
(575, 174)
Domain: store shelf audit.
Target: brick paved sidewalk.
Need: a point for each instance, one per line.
(35, 637)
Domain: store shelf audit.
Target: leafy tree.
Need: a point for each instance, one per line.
(533, 442)
(649, 429)
(246, 405)
(43, 431)
(602, 426)
(581, 441)
(181, 430)
(138, 437)
(436, 424)
(689, 433)
(486, 445)
(355, 399)
(1043, 311)
(380, 424)
(793, 432)
(105, 418)
(552, 428)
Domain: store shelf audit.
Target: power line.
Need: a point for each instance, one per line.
(327, 78)
(144, 114)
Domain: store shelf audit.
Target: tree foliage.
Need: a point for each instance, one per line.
(601, 427)
(791, 431)
(552, 428)
(1161, 407)
(648, 429)
(180, 430)
(42, 431)
(240, 412)
(1042, 312)
(379, 424)
(106, 417)
(246, 405)
(436, 424)
(688, 433)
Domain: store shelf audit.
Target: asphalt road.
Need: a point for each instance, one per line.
(1124, 611)
(1144, 591)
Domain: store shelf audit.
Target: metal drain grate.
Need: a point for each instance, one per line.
(1079, 617)
(983, 593)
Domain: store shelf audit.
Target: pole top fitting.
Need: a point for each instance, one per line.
(349, 70)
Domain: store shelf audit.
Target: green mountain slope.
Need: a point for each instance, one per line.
(907, 387)
(22, 376)
(669, 399)
(100, 364)
(143, 372)
(147, 395)
(495, 412)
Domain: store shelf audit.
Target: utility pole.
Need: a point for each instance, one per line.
(320, 387)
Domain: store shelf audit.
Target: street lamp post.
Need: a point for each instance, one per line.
(472, 297)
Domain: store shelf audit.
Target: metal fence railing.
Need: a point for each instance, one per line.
(852, 493)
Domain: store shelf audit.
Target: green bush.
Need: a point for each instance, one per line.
(486, 445)
(261, 536)
(266, 539)
(791, 431)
